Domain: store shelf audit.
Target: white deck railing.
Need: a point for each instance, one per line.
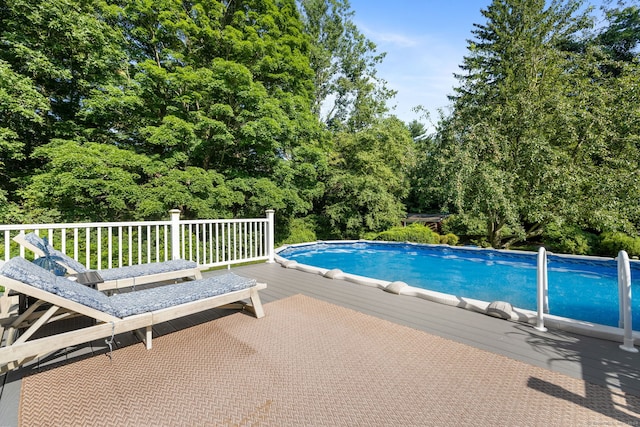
(209, 242)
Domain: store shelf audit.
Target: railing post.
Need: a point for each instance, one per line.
(270, 236)
(624, 289)
(175, 233)
(542, 289)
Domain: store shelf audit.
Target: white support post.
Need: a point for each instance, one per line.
(624, 289)
(270, 236)
(542, 289)
(175, 233)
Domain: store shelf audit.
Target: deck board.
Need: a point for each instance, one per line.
(598, 361)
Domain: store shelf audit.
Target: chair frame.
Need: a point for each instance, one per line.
(16, 352)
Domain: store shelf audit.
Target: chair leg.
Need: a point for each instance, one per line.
(149, 334)
(257, 304)
(146, 336)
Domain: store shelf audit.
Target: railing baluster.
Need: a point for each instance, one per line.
(229, 242)
(119, 247)
(139, 244)
(99, 260)
(157, 244)
(210, 243)
(166, 242)
(190, 242)
(204, 243)
(110, 245)
(263, 238)
(235, 244)
(197, 243)
(247, 239)
(217, 243)
(7, 245)
(75, 244)
(148, 243)
(130, 242)
(87, 234)
(183, 254)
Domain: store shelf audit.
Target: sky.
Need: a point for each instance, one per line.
(425, 42)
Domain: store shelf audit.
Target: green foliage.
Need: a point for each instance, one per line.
(622, 36)
(540, 131)
(570, 239)
(416, 233)
(449, 239)
(614, 242)
(99, 182)
(123, 110)
(87, 181)
(347, 90)
(368, 179)
(463, 225)
(416, 129)
(300, 230)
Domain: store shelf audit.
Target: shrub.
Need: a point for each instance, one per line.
(300, 230)
(569, 239)
(449, 239)
(614, 242)
(416, 233)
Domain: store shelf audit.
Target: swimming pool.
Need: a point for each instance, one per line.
(582, 288)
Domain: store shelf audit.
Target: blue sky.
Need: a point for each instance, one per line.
(425, 41)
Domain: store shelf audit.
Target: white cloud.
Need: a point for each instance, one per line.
(389, 38)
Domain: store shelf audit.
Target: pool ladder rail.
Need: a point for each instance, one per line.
(624, 296)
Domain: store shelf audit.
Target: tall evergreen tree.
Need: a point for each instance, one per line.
(499, 156)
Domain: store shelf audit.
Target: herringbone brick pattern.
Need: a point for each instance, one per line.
(312, 363)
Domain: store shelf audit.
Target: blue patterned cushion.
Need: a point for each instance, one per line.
(127, 304)
(85, 295)
(152, 299)
(146, 269)
(24, 271)
(62, 257)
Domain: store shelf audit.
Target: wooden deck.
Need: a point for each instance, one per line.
(596, 361)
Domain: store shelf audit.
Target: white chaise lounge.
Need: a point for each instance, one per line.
(131, 311)
(114, 278)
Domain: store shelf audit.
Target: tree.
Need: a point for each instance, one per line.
(176, 100)
(368, 179)
(416, 129)
(499, 156)
(21, 110)
(54, 53)
(621, 37)
(348, 93)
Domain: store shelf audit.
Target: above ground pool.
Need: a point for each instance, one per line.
(582, 288)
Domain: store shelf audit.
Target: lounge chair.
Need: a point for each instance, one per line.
(114, 278)
(62, 298)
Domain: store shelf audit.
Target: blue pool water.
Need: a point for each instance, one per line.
(579, 288)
